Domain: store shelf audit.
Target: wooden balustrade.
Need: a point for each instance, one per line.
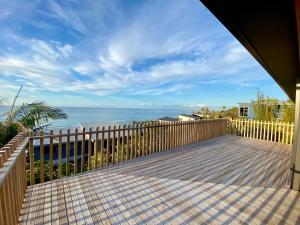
(264, 130)
(13, 181)
(77, 151)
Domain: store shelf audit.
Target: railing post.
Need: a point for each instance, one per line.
(59, 154)
(13, 180)
(51, 156)
(42, 168)
(31, 158)
(90, 149)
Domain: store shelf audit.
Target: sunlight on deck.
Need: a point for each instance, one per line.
(176, 187)
(224, 160)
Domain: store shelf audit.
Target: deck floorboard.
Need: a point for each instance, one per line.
(226, 180)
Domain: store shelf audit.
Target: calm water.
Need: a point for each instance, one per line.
(99, 116)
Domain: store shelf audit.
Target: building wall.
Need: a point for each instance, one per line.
(185, 118)
(251, 114)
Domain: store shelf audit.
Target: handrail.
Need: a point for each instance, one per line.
(13, 179)
(264, 130)
(67, 153)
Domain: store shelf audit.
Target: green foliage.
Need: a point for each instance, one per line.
(28, 116)
(35, 115)
(229, 113)
(7, 133)
(267, 109)
(47, 171)
(288, 114)
(142, 122)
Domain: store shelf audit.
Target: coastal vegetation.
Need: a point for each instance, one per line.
(271, 109)
(27, 116)
(231, 113)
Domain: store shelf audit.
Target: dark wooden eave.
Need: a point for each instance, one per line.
(268, 30)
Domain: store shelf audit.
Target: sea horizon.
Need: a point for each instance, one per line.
(101, 116)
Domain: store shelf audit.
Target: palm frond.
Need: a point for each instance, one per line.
(10, 114)
(35, 115)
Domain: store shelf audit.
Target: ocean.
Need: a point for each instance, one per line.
(87, 116)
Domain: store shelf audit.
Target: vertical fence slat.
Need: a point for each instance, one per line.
(140, 140)
(272, 131)
(96, 148)
(76, 151)
(128, 143)
(292, 133)
(42, 166)
(68, 153)
(118, 144)
(108, 146)
(51, 155)
(90, 149)
(31, 158)
(123, 143)
(135, 140)
(102, 147)
(131, 141)
(82, 149)
(113, 145)
(263, 130)
(59, 153)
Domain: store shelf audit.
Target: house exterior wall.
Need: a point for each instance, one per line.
(185, 118)
(251, 114)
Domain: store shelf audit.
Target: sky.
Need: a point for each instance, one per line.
(118, 53)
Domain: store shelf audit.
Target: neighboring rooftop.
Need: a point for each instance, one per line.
(167, 118)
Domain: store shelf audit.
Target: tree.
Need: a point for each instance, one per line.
(265, 108)
(232, 113)
(269, 109)
(288, 114)
(34, 116)
(28, 116)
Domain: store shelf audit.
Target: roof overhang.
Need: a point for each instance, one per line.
(268, 30)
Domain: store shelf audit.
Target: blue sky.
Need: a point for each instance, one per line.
(124, 54)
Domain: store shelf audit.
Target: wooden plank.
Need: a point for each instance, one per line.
(132, 141)
(135, 141)
(140, 140)
(76, 151)
(102, 147)
(59, 174)
(128, 143)
(31, 158)
(51, 155)
(108, 157)
(123, 142)
(90, 149)
(150, 138)
(272, 131)
(118, 144)
(82, 159)
(96, 148)
(113, 145)
(292, 133)
(68, 153)
(42, 166)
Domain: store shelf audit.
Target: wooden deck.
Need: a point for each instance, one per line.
(223, 160)
(188, 185)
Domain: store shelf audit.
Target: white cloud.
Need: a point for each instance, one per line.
(188, 47)
(65, 50)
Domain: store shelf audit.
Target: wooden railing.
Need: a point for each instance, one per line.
(263, 130)
(12, 179)
(62, 154)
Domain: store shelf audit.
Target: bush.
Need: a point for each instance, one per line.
(47, 171)
(7, 133)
